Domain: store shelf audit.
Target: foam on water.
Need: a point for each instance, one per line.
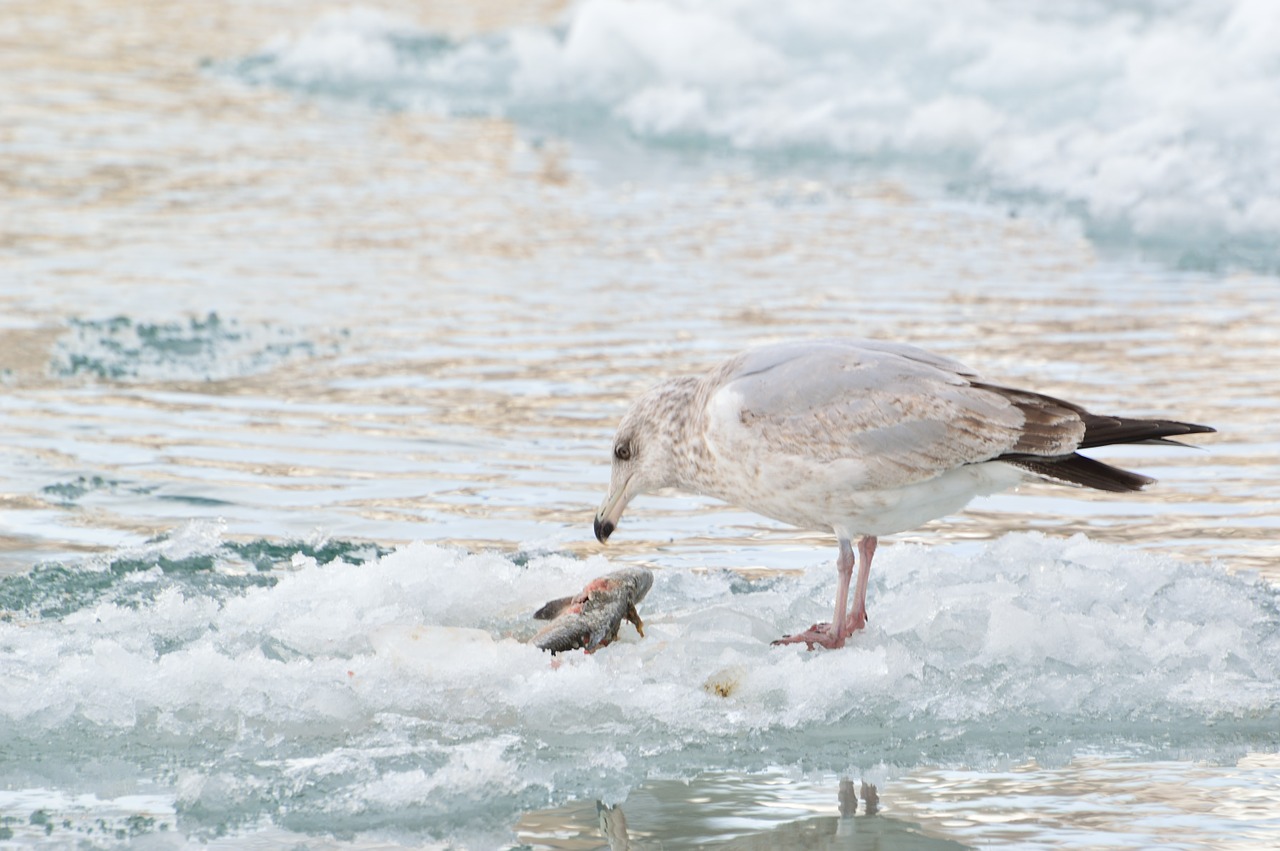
(364, 692)
(1145, 120)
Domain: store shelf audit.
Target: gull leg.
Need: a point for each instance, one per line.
(832, 635)
(858, 615)
(844, 570)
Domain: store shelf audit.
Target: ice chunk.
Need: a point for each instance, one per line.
(382, 682)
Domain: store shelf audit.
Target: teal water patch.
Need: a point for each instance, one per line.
(267, 555)
(197, 349)
(48, 818)
(55, 589)
(70, 492)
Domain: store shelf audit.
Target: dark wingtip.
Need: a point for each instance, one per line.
(1107, 431)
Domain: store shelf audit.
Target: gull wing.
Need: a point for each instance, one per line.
(891, 414)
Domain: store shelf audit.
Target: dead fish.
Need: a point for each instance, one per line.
(590, 619)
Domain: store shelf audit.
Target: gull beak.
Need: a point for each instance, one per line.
(611, 512)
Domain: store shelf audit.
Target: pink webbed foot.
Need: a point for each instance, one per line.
(829, 636)
(819, 633)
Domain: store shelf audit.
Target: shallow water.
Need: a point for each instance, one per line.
(261, 333)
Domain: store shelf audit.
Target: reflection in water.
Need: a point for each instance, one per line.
(1127, 803)
(613, 824)
(754, 813)
(1134, 804)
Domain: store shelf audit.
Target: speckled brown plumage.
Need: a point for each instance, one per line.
(859, 438)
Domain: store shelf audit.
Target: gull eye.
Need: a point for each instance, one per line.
(622, 451)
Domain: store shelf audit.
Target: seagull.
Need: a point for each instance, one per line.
(860, 439)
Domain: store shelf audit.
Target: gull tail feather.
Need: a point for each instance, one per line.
(1079, 470)
(1106, 431)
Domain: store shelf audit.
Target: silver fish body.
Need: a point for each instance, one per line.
(591, 618)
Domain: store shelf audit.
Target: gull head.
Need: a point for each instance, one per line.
(648, 449)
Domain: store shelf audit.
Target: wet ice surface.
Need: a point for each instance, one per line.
(395, 693)
(1092, 111)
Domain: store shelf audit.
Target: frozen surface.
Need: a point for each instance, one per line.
(361, 691)
(1144, 120)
